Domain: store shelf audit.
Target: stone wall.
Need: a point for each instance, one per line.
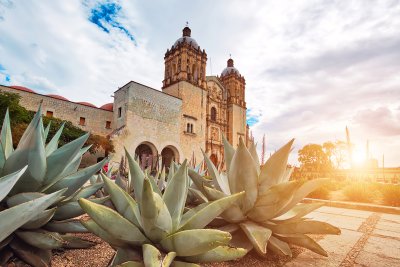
(237, 123)
(194, 100)
(95, 118)
(148, 116)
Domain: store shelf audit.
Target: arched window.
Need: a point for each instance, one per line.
(213, 114)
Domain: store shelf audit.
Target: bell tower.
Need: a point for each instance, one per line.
(185, 61)
(235, 83)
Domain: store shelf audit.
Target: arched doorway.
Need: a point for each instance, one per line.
(214, 160)
(147, 155)
(169, 154)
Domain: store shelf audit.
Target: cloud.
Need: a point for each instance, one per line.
(381, 121)
(311, 67)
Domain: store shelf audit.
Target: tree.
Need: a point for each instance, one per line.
(313, 157)
(20, 118)
(336, 152)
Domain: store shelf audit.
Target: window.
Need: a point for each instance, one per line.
(213, 114)
(82, 121)
(119, 112)
(108, 124)
(49, 114)
(189, 128)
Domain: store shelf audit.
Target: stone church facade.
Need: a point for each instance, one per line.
(190, 113)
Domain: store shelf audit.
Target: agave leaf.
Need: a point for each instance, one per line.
(154, 185)
(156, 220)
(201, 240)
(94, 228)
(113, 223)
(198, 195)
(15, 217)
(219, 254)
(197, 179)
(31, 255)
(53, 144)
(204, 216)
(305, 242)
(243, 176)
(33, 125)
(167, 261)
(122, 201)
(257, 234)
(279, 247)
(22, 198)
(213, 194)
(151, 256)
(71, 241)
(46, 132)
(72, 209)
(304, 227)
(7, 182)
(30, 151)
(6, 136)
(161, 180)
(88, 191)
(273, 201)
(297, 212)
(137, 176)
(124, 255)
(41, 239)
(66, 226)
(175, 194)
(74, 164)
(240, 240)
(229, 151)
(188, 214)
(286, 175)
(40, 219)
(254, 155)
(274, 168)
(75, 181)
(219, 183)
(302, 192)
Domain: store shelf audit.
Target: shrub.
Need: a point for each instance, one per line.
(321, 193)
(360, 192)
(391, 194)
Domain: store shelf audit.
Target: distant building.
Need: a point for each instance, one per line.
(188, 115)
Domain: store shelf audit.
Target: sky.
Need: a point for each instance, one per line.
(311, 67)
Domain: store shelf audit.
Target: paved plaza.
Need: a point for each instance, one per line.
(367, 239)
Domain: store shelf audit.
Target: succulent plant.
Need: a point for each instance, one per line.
(156, 223)
(269, 216)
(39, 191)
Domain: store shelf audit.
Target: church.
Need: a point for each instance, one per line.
(190, 113)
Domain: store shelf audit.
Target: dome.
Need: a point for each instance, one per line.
(230, 68)
(188, 40)
(58, 97)
(108, 106)
(186, 32)
(87, 104)
(22, 88)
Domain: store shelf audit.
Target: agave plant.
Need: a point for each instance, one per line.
(39, 191)
(155, 223)
(269, 216)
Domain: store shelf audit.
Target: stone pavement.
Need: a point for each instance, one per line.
(367, 239)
